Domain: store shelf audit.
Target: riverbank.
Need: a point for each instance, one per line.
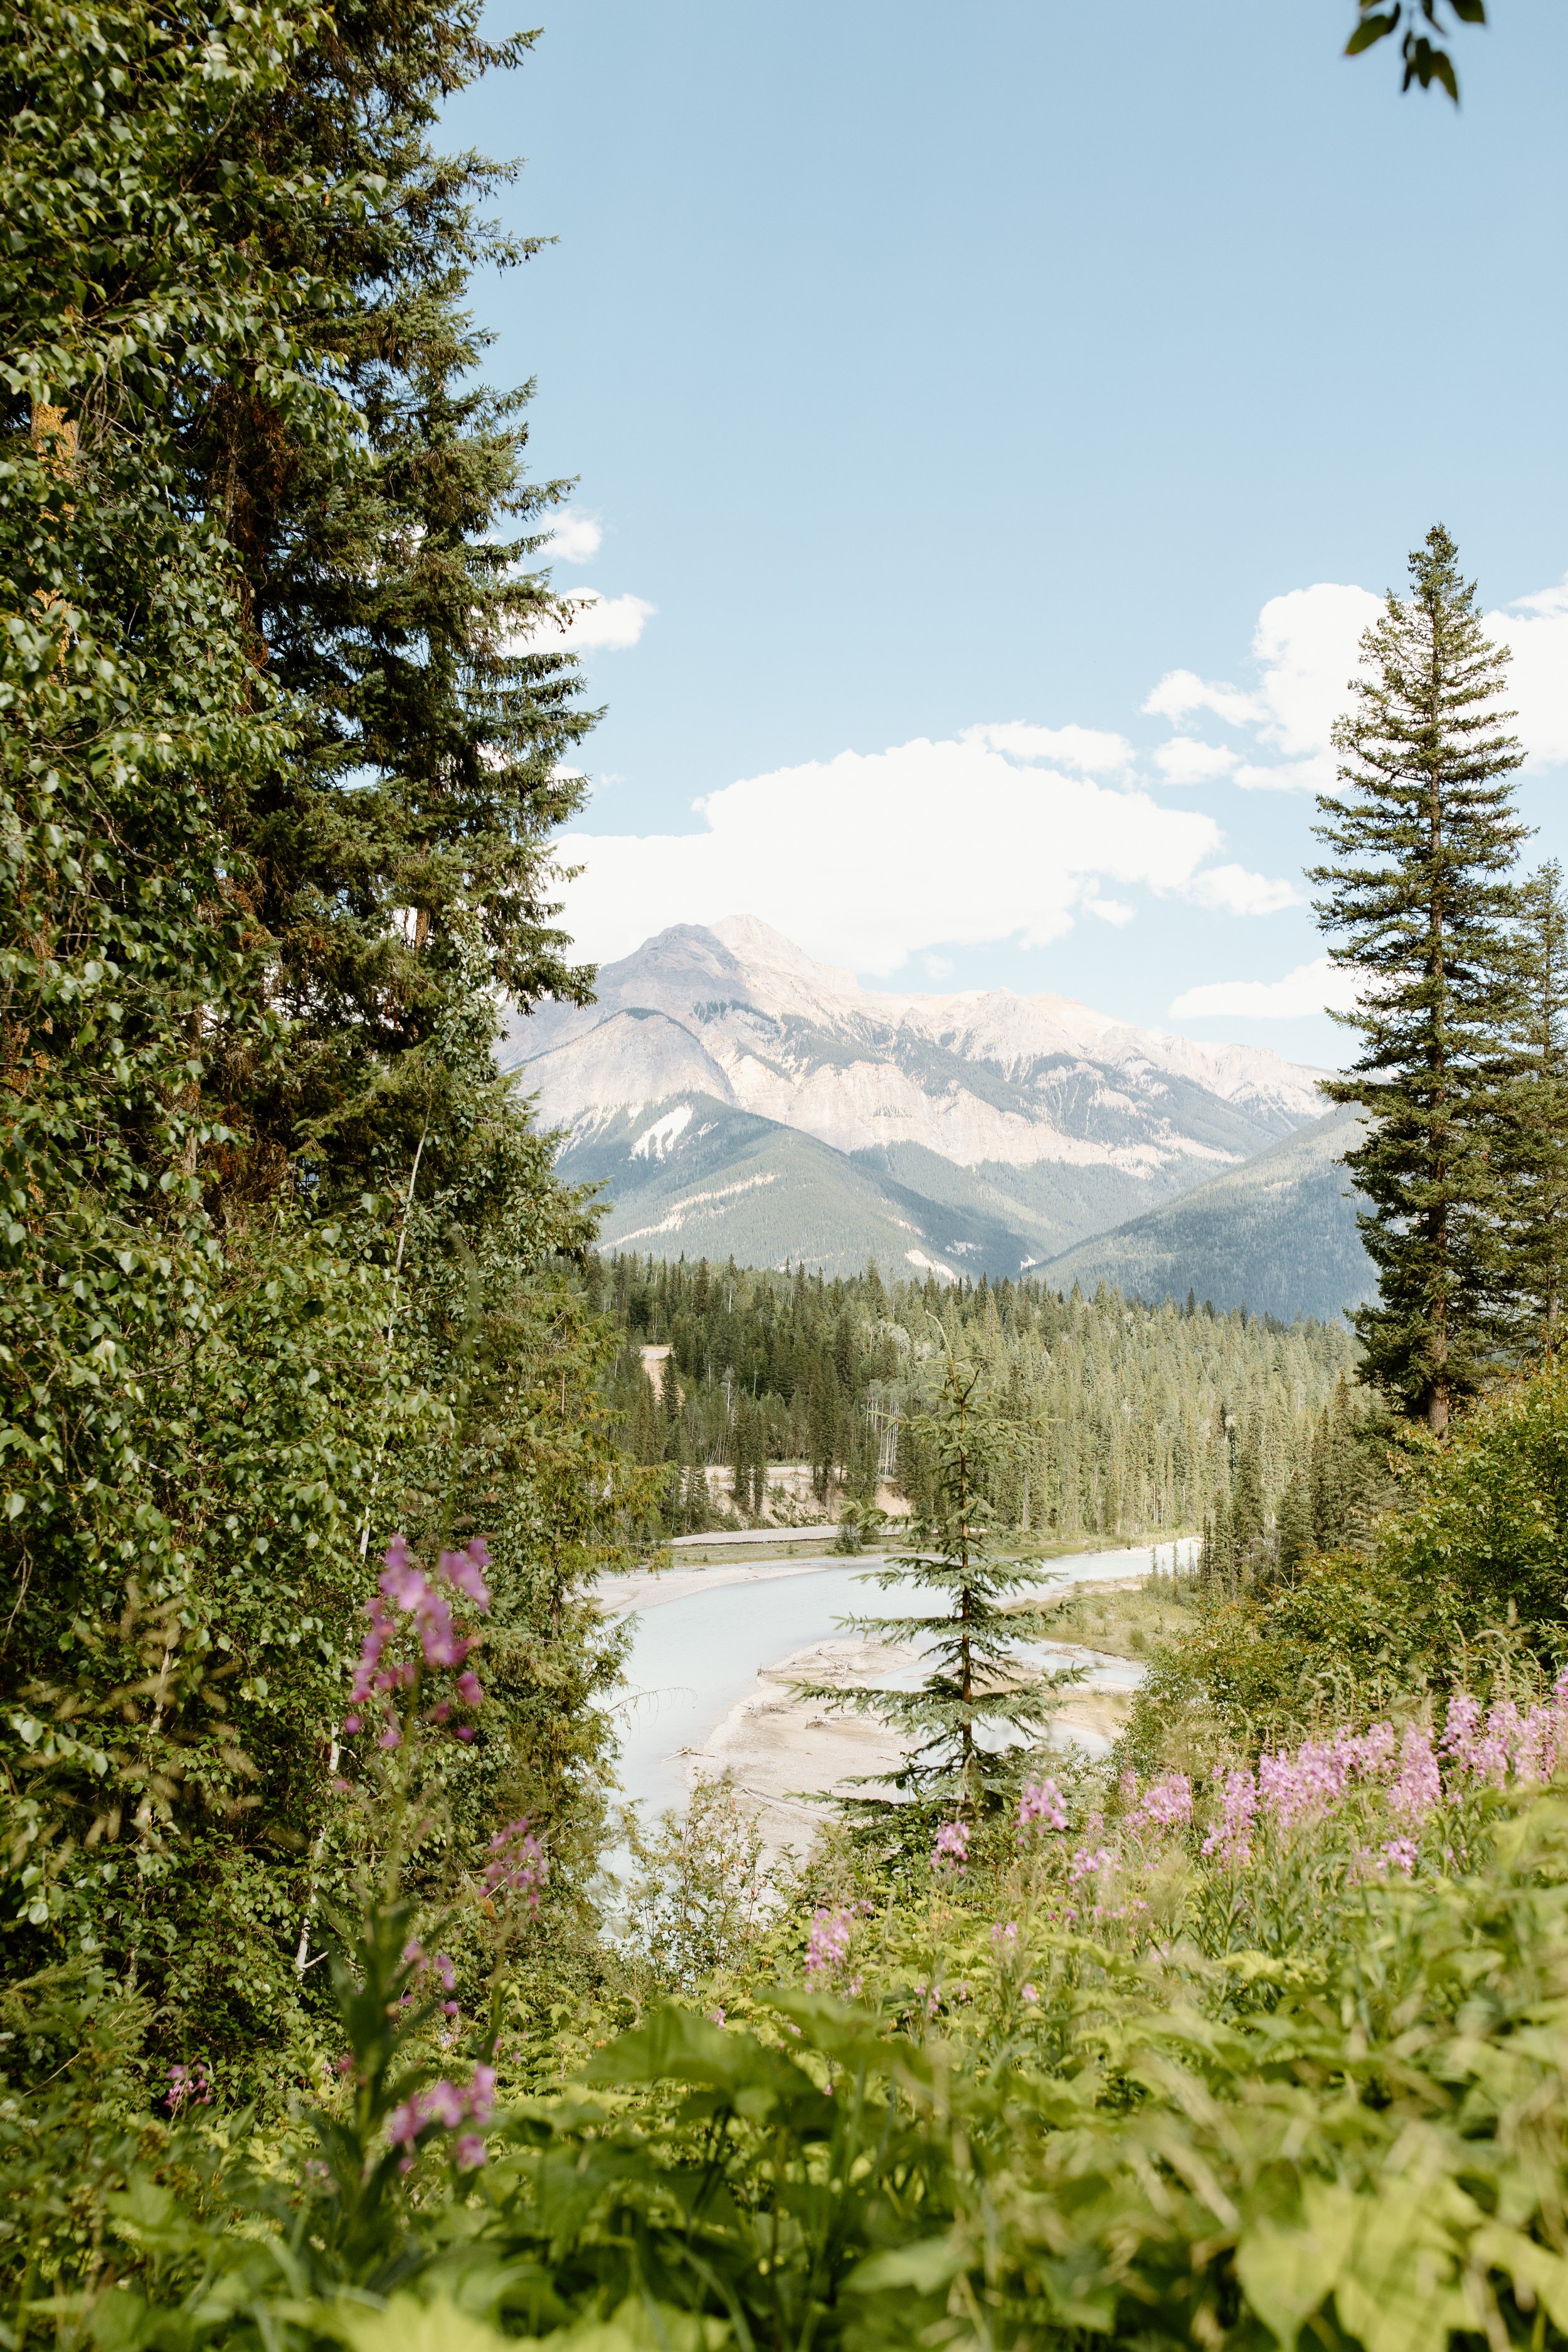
(634, 1590)
(789, 1757)
(715, 1649)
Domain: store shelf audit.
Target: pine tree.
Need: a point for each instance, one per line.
(1294, 1539)
(1419, 900)
(1537, 1149)
(976, 1683)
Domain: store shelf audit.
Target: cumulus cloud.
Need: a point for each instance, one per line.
(574, 537)
(1536, 631)
(1232, 890)
(1186, 761)
(1087, 751)
(870, 858)
(1306, 646)
(598, 625)
(1312, 988)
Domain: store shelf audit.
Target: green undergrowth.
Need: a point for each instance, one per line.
(1179, 2098)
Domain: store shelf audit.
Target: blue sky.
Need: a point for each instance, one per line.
(932, 373)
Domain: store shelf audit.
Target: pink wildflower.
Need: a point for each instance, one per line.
(1400, 1853)
(1041, 1801)
(1166, 1804)
(463, 1568)
(951, 1852)
(1540, 1741)
(827, 1947)
(516, 1865)
(1417, 1785)
(1087, 1862)
(404, 1589)
(188, 2086)
(1231, 1837)
(450, 2108)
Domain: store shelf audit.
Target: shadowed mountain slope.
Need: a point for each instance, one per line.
(1277, 1235)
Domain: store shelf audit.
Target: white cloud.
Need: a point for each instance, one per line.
(598, 625)
(1306, 645)
(1307, 648)
(1088, 751)
(1536, 629)
(870, 858)
(574, 537)
(1110, 910)
(1185, 760)
(1232, 890)
(1181, 691)
(1312, 988)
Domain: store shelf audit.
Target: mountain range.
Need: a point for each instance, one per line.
(734, 1097)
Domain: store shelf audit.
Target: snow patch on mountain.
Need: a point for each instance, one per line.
(738, 1014)
(659, 1140)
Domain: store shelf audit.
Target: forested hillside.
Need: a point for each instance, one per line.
(1128, 1419)
(1277, 1235)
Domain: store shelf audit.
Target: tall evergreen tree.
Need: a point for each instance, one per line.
(1419, 901)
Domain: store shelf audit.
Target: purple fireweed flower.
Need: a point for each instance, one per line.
(1087, 1862)
(1540, 1740)
(1041, 1802)
(951, 1852)
(827, 1947)
(1474, 1746)
(1417, 1785)
(448, 2106)
(188, 2086)
(1399, 1854)
(404, 1592)
(1166, 1804)
(1231, 1837)
(518, 1863)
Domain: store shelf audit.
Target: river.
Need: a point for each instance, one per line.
(694, 1656)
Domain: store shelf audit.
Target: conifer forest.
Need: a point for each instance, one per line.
(342, 2000)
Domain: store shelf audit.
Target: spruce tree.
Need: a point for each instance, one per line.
(1418, 900)
(977, 1699)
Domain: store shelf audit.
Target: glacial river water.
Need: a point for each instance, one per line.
(692, 1659)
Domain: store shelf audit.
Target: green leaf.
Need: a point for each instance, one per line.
(1370, 30)
(1286, 2273)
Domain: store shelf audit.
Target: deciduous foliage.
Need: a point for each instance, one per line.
(284, 1265)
